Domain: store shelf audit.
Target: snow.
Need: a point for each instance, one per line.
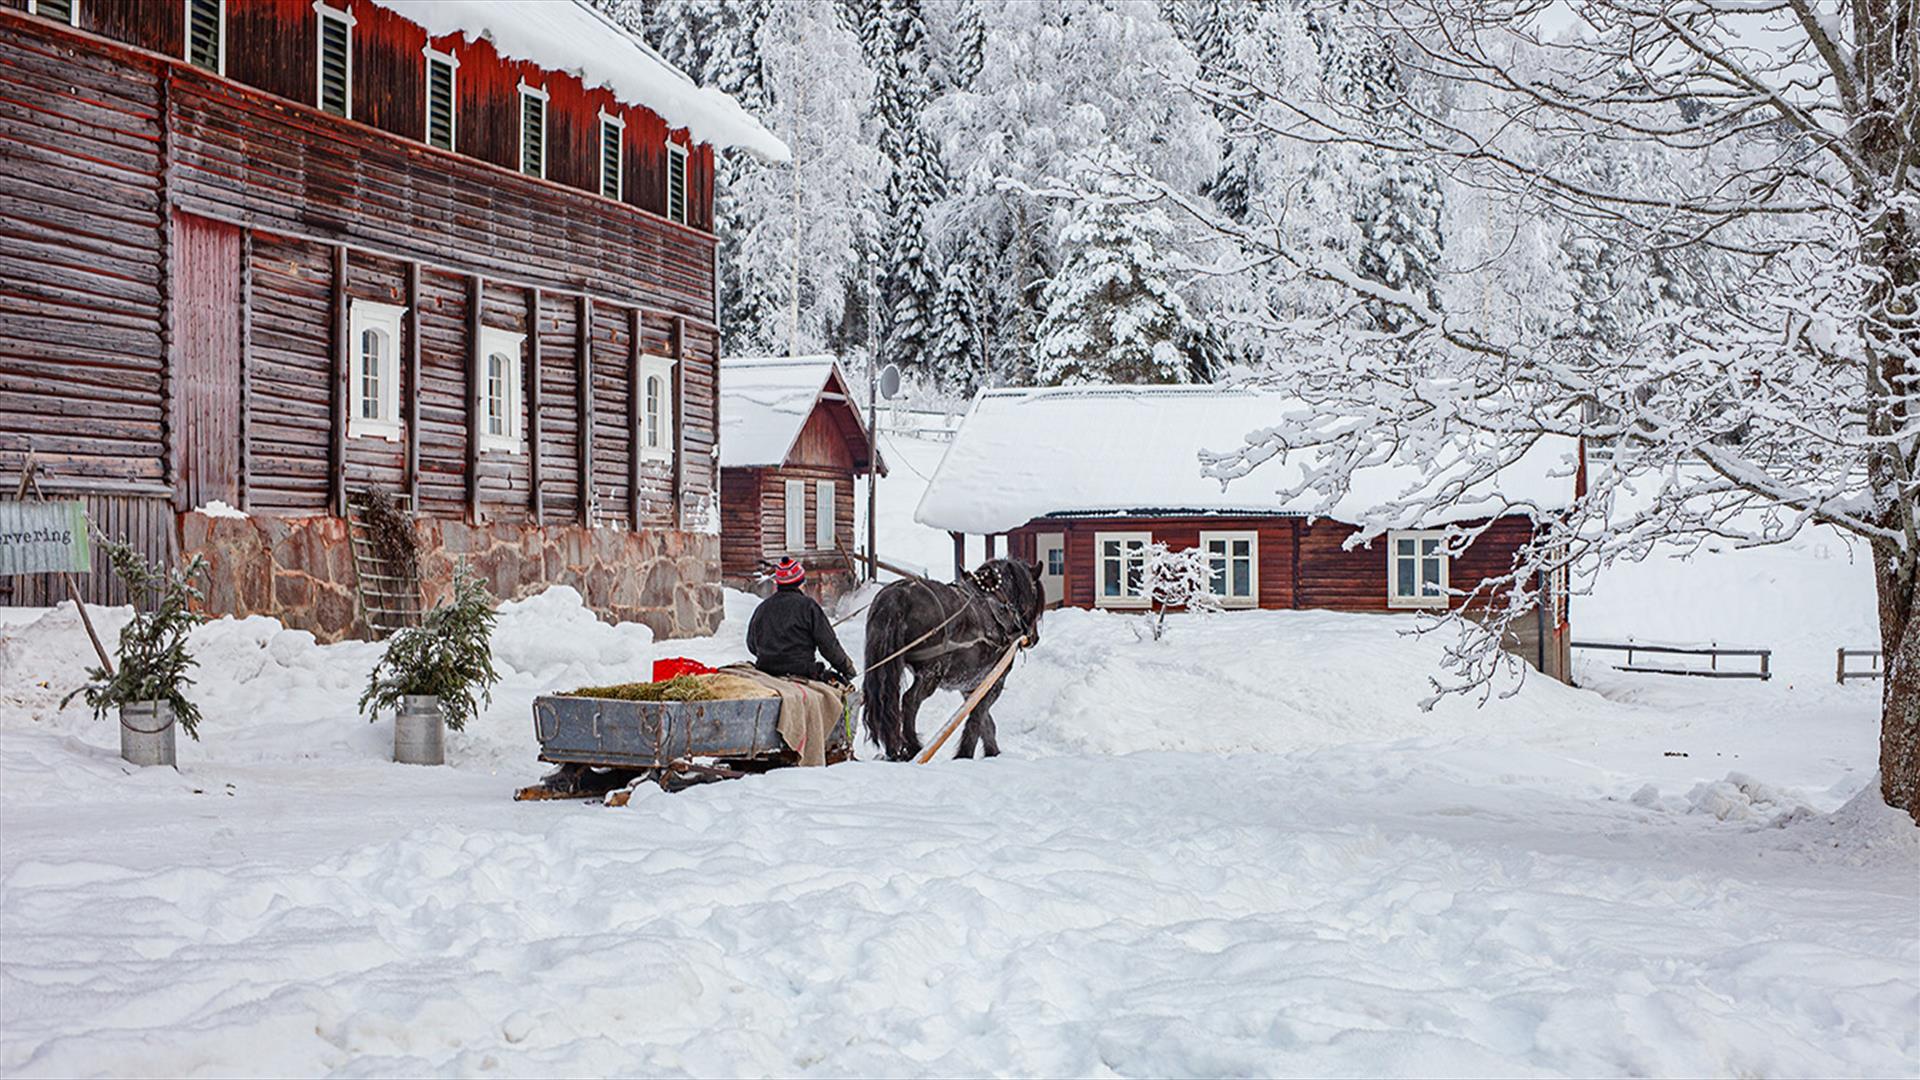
(764, 402)
(569, 36)
(1242, 849)
(1023, 454)
(219, 509)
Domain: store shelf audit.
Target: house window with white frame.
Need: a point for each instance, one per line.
(1234, 561)
(533, 130)
(207, 35)
(60, 11)
(373, 370)
(335, 93)
(655, 421)
(1417, 569)
(500, 389)
(612, 164)
(1120, 558)
(442, 69)
(676, 183)
(796, 514)
(826, 494)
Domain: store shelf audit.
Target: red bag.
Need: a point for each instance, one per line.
(673, 667)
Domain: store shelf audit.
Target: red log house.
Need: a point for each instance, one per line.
(1082, 479)
(793, 447)
(274, 254)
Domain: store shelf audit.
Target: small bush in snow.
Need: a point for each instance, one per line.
(449, 656)
(1182, 579)
(153, 657)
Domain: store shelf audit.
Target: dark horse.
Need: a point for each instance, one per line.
(968, 626)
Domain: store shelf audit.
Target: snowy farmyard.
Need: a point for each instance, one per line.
(935, 537)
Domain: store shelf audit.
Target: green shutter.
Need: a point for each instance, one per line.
(676, 183)
(609, 159)
(439, 103)
(203, 34)
(533, 134)
(334, 44)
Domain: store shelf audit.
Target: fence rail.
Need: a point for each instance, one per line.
(1875, 671)
(1712, 652)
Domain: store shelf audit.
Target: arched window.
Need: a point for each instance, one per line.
(499, 420)
(373, 369)
(654, 397)
(498, 374)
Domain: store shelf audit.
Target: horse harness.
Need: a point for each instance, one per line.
(985, 590)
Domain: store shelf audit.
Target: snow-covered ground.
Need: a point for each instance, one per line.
(1243, 849)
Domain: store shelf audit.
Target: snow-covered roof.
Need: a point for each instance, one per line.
(1122, 450)
(569, 36)
(765, 401)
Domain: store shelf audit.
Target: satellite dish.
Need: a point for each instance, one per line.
(889, 382)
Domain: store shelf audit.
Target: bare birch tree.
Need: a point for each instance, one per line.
(1771, 140)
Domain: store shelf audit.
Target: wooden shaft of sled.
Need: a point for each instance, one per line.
(973, 700)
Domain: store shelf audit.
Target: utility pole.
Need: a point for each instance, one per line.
(873, 429)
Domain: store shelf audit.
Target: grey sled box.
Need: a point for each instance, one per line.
(603, 731)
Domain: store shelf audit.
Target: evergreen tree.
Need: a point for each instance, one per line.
(955, 353)
(895, 31)
(1112, 315)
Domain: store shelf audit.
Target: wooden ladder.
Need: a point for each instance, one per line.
(390, 600)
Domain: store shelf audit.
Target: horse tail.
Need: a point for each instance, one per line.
(880, 688)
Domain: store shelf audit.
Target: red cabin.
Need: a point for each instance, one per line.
(275, 254)
(1082, 479)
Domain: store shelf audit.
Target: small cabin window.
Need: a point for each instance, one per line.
(1121, 563)
(441, 68)
(336, 59)
(207, 35)
(612, 128)
(62, 11)
(655, 421)
(796, 515)
(500, 384)
(1417, 569)
(373, 370)
(1233, 558)
(533, 130)
(825, 496)
(676, 183)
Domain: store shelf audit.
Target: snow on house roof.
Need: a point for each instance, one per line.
(765, 401)
(1122, 450)
(569, 36)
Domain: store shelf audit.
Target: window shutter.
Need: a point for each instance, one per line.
(796, 515)
(825, 498)
(610, 159)
(334, 46)
(533, 134)
(439, 103)
(676, 183)
(57, 10)
(203, 34)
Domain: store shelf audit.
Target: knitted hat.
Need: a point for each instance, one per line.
(789, 573)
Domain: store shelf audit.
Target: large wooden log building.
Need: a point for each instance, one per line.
(276, 253)
(1083, 479)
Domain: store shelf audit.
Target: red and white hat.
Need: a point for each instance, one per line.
(789, 572)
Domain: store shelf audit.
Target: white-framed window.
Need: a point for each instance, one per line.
(796, 514)
(1119, 558)
(1234, 558)
(500, 384)
(676, 182)
(825, 496)
(442, 69)
(61, 11)
(612, 165)
(335, 91)
(655, 434)
(373, 370)
(207, 35)
(533, 130)
(1417, 569)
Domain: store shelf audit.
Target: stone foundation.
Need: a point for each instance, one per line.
(300, 569)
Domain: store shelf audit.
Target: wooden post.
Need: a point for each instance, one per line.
(1840, 665)
(637, 419)
(410, 391)
(993, 545)
(245, 479)
(676, 382)
(535, 477)
(959, 554)
(584, 404)
(476, 289)
(337, 455)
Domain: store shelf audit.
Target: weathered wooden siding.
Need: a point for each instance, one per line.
(741, 539)
(290, 414)
(206, 360)
(773, 510)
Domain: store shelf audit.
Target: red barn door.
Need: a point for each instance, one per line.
(206, 361)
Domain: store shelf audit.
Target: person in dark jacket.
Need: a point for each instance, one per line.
(788, 626)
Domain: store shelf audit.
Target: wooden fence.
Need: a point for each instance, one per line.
(1712, 652)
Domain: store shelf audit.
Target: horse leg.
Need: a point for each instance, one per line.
(924, 684)
(979, 727)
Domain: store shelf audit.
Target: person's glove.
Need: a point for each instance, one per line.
(844, 677)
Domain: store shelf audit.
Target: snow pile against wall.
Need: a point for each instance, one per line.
(763, 405)
(1023, 454)
(566, 36)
